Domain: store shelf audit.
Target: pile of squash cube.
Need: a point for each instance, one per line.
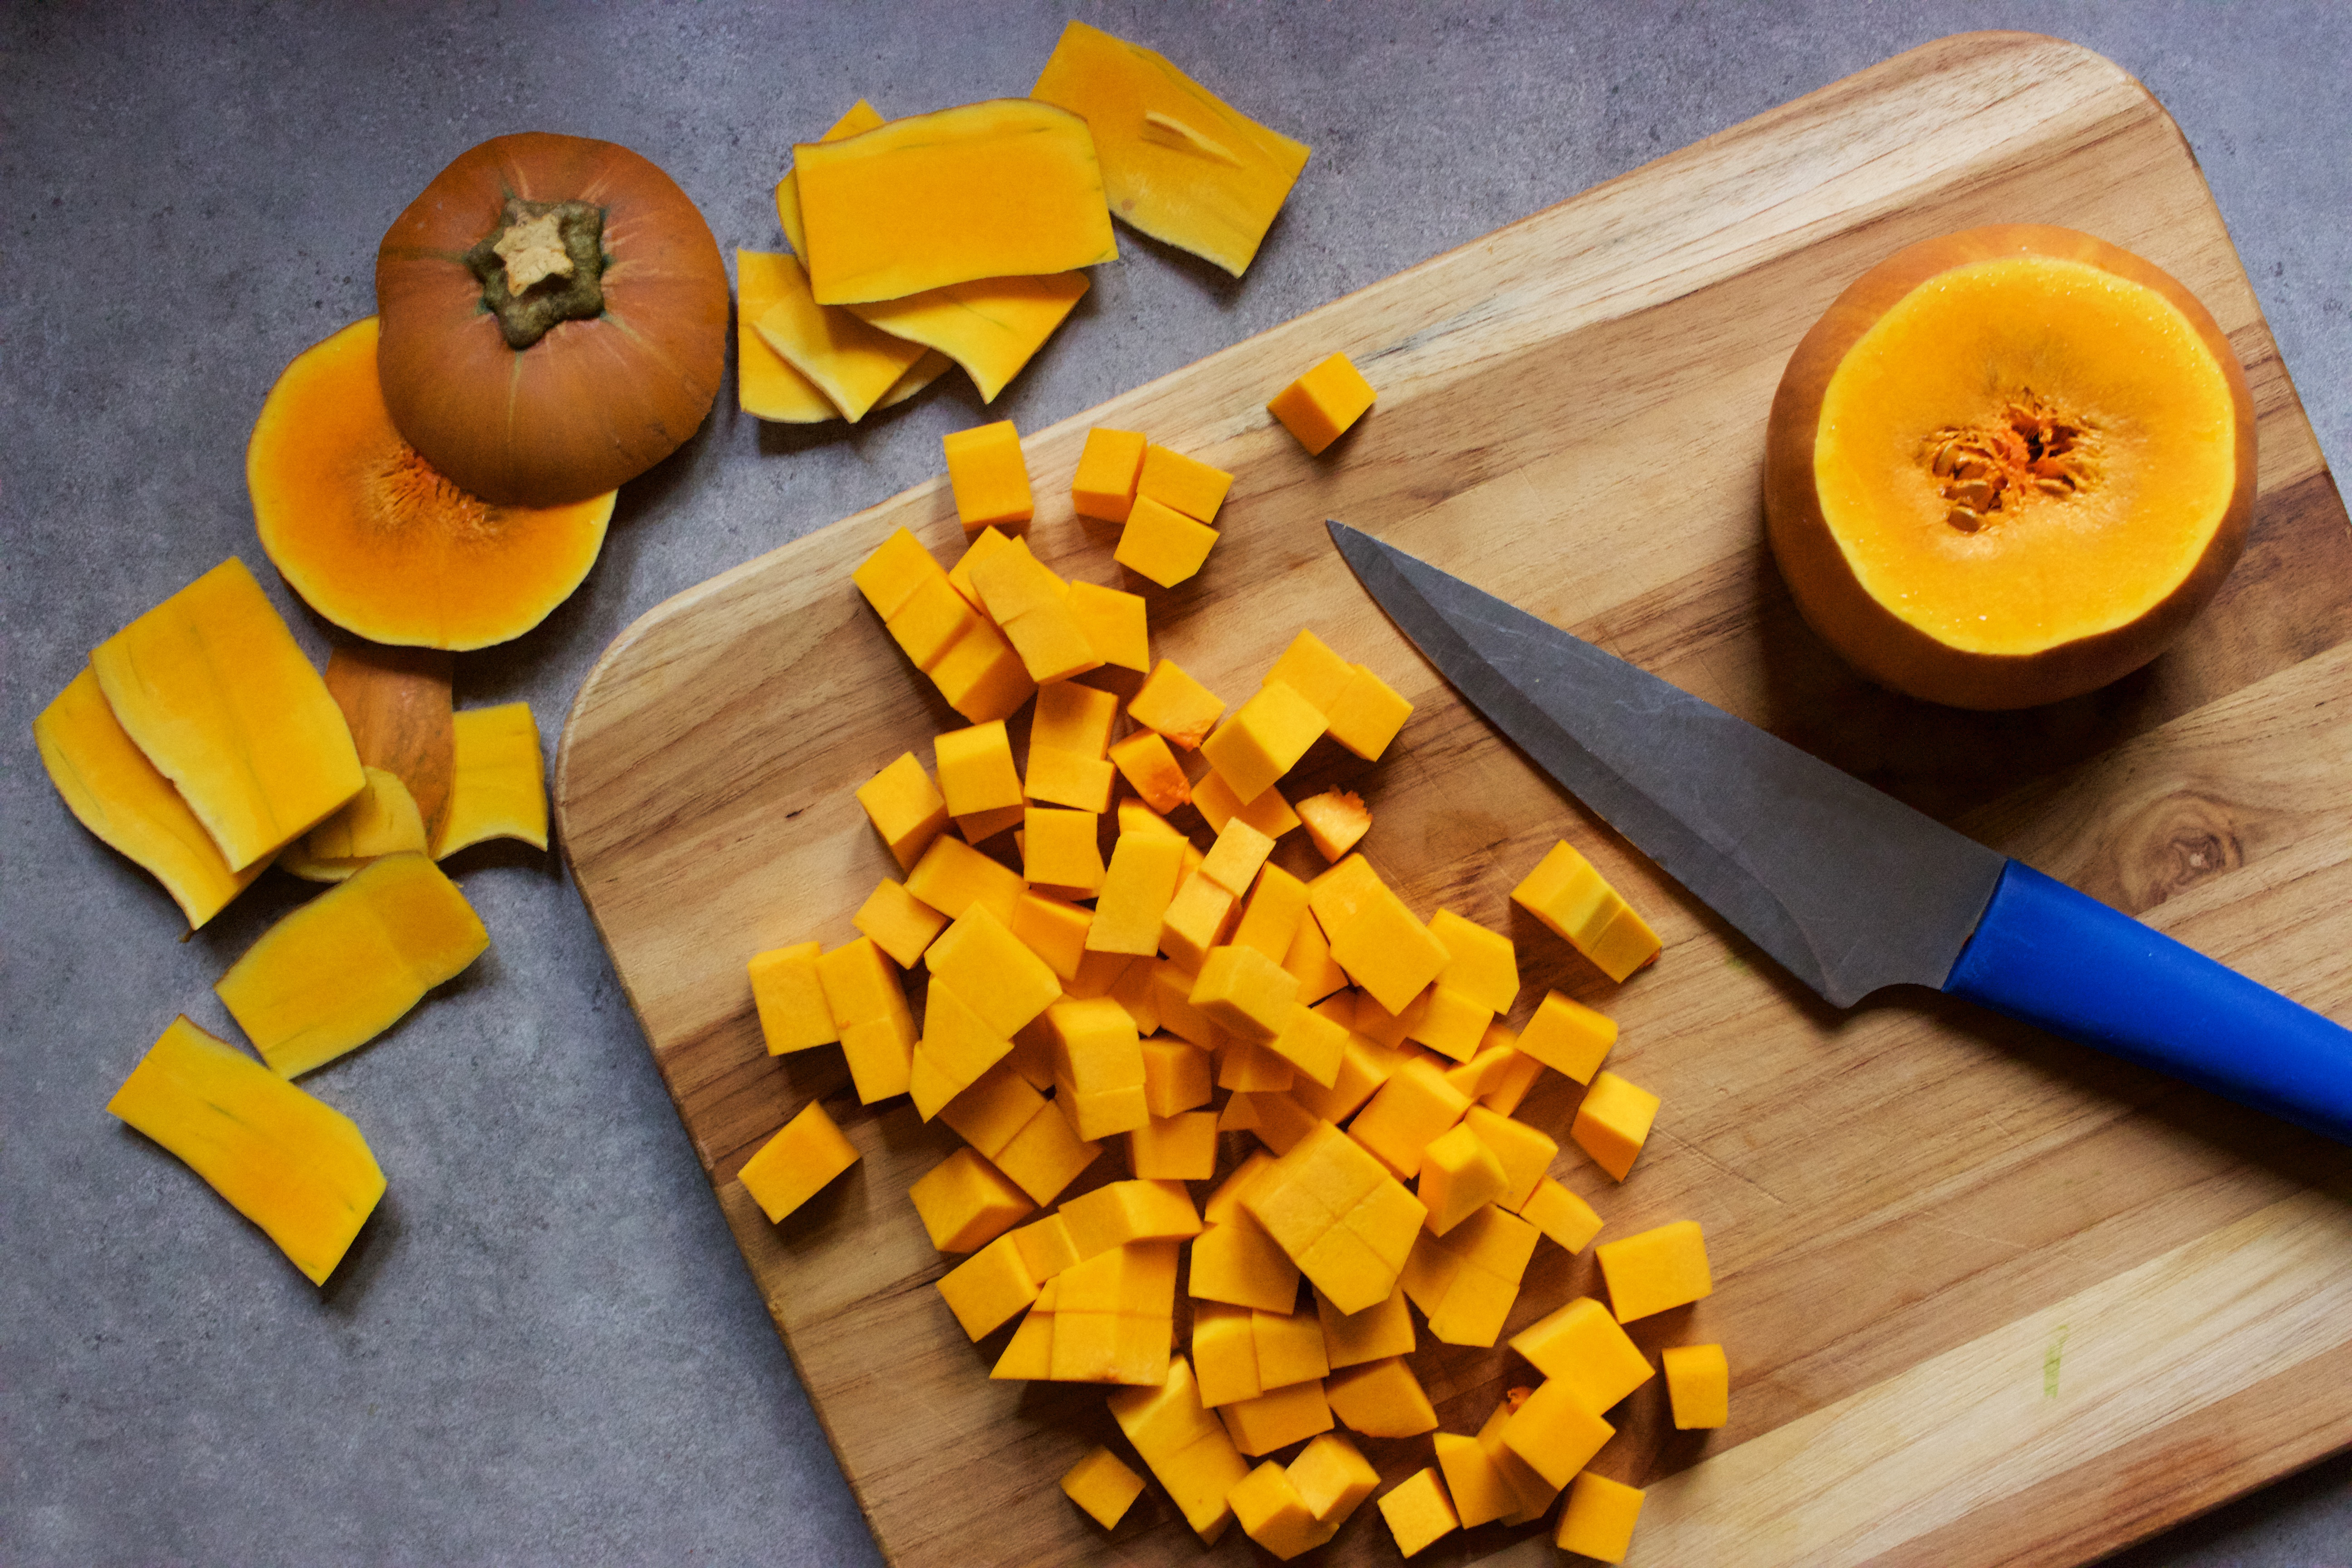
(1095, 977)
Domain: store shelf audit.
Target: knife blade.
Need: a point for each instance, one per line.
(1846, 887)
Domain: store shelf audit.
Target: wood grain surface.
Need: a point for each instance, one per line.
(1988, 1296)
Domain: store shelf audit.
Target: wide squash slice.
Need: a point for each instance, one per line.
(292, 1165)
(350, 964)
(213, 689)
(1178, 163)
(1000, 189)
(110, 785)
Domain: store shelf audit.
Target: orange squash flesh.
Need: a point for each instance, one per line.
(2008, 467)
(376, 540)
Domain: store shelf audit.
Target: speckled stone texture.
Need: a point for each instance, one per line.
(546, 1348)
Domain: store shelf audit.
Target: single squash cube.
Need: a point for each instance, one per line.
(1185, 484)
(1172, 991)
(1276, 1418)
(1561, 1216)
(1418, 1511)
(1376, 1333)
(1480, 964)
(1567, 894)
(1272, 1513)
(957, 1049)
(1508, 1082)
(788, 1169)
(990, 1289)
(290, 1162)
(1336, 821)
(1412, 1108)
(1060, 849)
(1614, 1123)
(992, 1112)
(1102, 1485)
(900, 924)
(954, 879)
(1322, 405)
(1116, 622)
(975, 770)
(1263, 739)
(1656, 1269)
(1309, 667)
(1480, 1493)
(989, 967)
(898, 566)
(794, 1014)
(1176, 1077)
(1098, 1066)
(1073, 718)
(1698, 1384)
(1582, 1347)
(1047, 1154)
(881, 1055)
(931, 621)
(1367, 715)
(1382, 1399)
(1597, 1521)
(1270, 917)
(1252, 1071)
(1161, 544)
(1332, 1477)
(989, 476)
(1568, 1037)
(1268, 813)
(1179, 1148)
(1526, 1153)
(988, 541)
(1451, 1023)
(1197, 919)
(1555, 1434)
(1311, 1043)
(1176, 706)
(1336, 895)
(1309, 958)
(1290, 1348)
(1148, 764)
(965, 1203)
(1010, 580)
(1225, 1355)
(1185, 1445)
(1535, 1494)
(1246, 993)
(1387, 952)
(1234, 1261)
(1103, 487)
(981, 677)
(860, 983)
(1233, 860)
(1137, 889)
(1052, 642)
(1055, 931)
(1459, 1176)
(1046, 1246)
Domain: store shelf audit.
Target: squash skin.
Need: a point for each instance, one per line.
(1882, 646)
(596, 402)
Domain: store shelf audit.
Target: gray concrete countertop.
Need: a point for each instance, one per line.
(545, 1348)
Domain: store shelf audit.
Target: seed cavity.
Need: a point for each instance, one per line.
(1986, 471)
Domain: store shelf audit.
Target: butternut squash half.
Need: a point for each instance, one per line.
(2008, 465)
(380, 543)
(292, 1165)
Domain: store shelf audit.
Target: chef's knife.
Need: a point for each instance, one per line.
(1847, 887)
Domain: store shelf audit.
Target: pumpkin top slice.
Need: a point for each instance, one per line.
(2079, 411)
(377, 539)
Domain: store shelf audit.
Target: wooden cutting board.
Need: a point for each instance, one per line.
(1988, 1296)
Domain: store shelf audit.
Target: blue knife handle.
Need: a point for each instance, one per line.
(2055, 957)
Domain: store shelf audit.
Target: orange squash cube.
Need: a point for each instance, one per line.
(1525, 1154)
(1055, 931)
(931, 621)
(1418, 1511)
(1699, 1385)
(1332, 1477)
(1480, 1493)
(1480, 964)
(793, 1166)
(1234, 1261)
(1309, 667)
(905, 807)
(1104, 486)
(1271, 1512)
(1555, 1434)
(1581, 1346)
(1567, 895)
(965, 1203)
(1366, 716)
(1010, 581)
(793, 1014)
(1338, 893)
(900, 924)
(1336, 821)
(1568, 1037)
(1179, 1148)
(1176, 1077)
(1311, 1043)
(1614, 1123)
(1186, 484)
(1323, 404)
(975, 769)
(1270, 918)
(1377, 1333)
(1656, 1269)
(1459, 1176)
(985, 964)
(1097, 1067)
(1046, 1155)
(1382, 1399)
(1276, 1418)
(1176, 706)
(898, 566)
(980, 547)
(1290, 1348)
(1268, 813)
(986, 1290)
(992, 1110)
(1137, 889)
(1599, 1519)
(1101, 1485)
(1561, 1216)
(1046, 1246)
(1073, 718)
(981, 676)
(1059, 849)
(1161, 544)
(1148, 764)
(1410, 1110)
(1309, 958)
(988, 475)
(1197, 919)
(1186, 1447)
(1263, 739)
(1386, 950)
(1451, 1023)
(1246, 993)
(1363, 1067)
(1233, 860)
(1116, 622)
